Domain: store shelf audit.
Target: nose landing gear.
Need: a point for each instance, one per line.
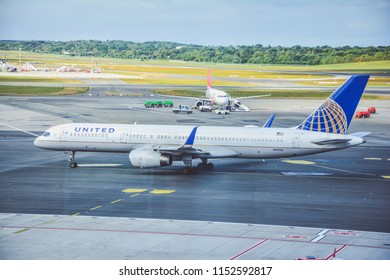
(73, 163)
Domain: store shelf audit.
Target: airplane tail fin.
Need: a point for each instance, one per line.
(336, 113)
(209, 79)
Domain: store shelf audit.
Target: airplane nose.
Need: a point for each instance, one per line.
(37, 142)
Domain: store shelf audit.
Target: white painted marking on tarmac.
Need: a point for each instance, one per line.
(306, 173)
(385, 177)
(99, 164)
(372, 158)
(346, 171)
(22, 130)
(320, 235)
(293, 161)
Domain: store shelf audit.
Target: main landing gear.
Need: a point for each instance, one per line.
(73, 163)
(188, 169)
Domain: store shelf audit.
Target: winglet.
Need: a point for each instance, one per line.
(191, 138)
(209, 79)
(336, 113)
(269, 122)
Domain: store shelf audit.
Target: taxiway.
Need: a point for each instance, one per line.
(345, 191)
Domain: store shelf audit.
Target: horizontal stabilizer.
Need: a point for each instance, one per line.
(361, 134)
(330, 141)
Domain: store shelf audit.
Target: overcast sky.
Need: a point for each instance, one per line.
(205, 22)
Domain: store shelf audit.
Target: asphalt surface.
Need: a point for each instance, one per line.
(346, 189)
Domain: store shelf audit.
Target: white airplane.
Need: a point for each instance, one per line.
(216, 96)
(159, 145)
(221, 98)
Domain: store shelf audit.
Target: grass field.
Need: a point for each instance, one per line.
(37, 80)
(41, 91)
(375, 81)
(188, 68)
(179, 73)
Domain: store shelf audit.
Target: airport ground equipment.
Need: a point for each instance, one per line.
(182, 109)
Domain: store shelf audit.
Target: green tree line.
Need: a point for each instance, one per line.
(256, 54)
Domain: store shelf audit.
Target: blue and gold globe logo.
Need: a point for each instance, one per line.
(330, 117)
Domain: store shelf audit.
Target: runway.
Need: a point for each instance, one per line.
(346, 190)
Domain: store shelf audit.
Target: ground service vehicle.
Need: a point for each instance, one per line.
(222, 112)
(158, 104)
(372, 110)
(205, 108)
(182, 109)
(149, 104)
(362, 114)
(168, 103)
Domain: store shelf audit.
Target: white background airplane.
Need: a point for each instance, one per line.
(222, 99)
(159, 145)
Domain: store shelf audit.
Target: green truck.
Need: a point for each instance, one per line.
(168, 103)
(158, 104)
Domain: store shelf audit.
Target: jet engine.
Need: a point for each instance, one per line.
(198, 103)
(149, 158)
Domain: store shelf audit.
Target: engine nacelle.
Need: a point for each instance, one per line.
(198, 103)
(149, 158)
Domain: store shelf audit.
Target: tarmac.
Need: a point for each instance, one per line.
(245, 209)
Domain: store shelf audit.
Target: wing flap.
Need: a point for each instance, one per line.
(210, 152)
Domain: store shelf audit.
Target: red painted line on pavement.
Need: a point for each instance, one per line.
(295, 236)
(333, 255)
(251, 248)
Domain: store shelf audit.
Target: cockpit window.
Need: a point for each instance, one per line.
(46, 134)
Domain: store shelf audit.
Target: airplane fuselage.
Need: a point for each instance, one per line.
(217, 97)
(240, 142)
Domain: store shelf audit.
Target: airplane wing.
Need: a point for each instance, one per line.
(255, 96)
(210, 152)
(188, 149)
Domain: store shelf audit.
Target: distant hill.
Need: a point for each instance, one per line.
(257, 54)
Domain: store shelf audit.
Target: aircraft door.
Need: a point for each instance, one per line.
(125, 135)
(63, 134)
